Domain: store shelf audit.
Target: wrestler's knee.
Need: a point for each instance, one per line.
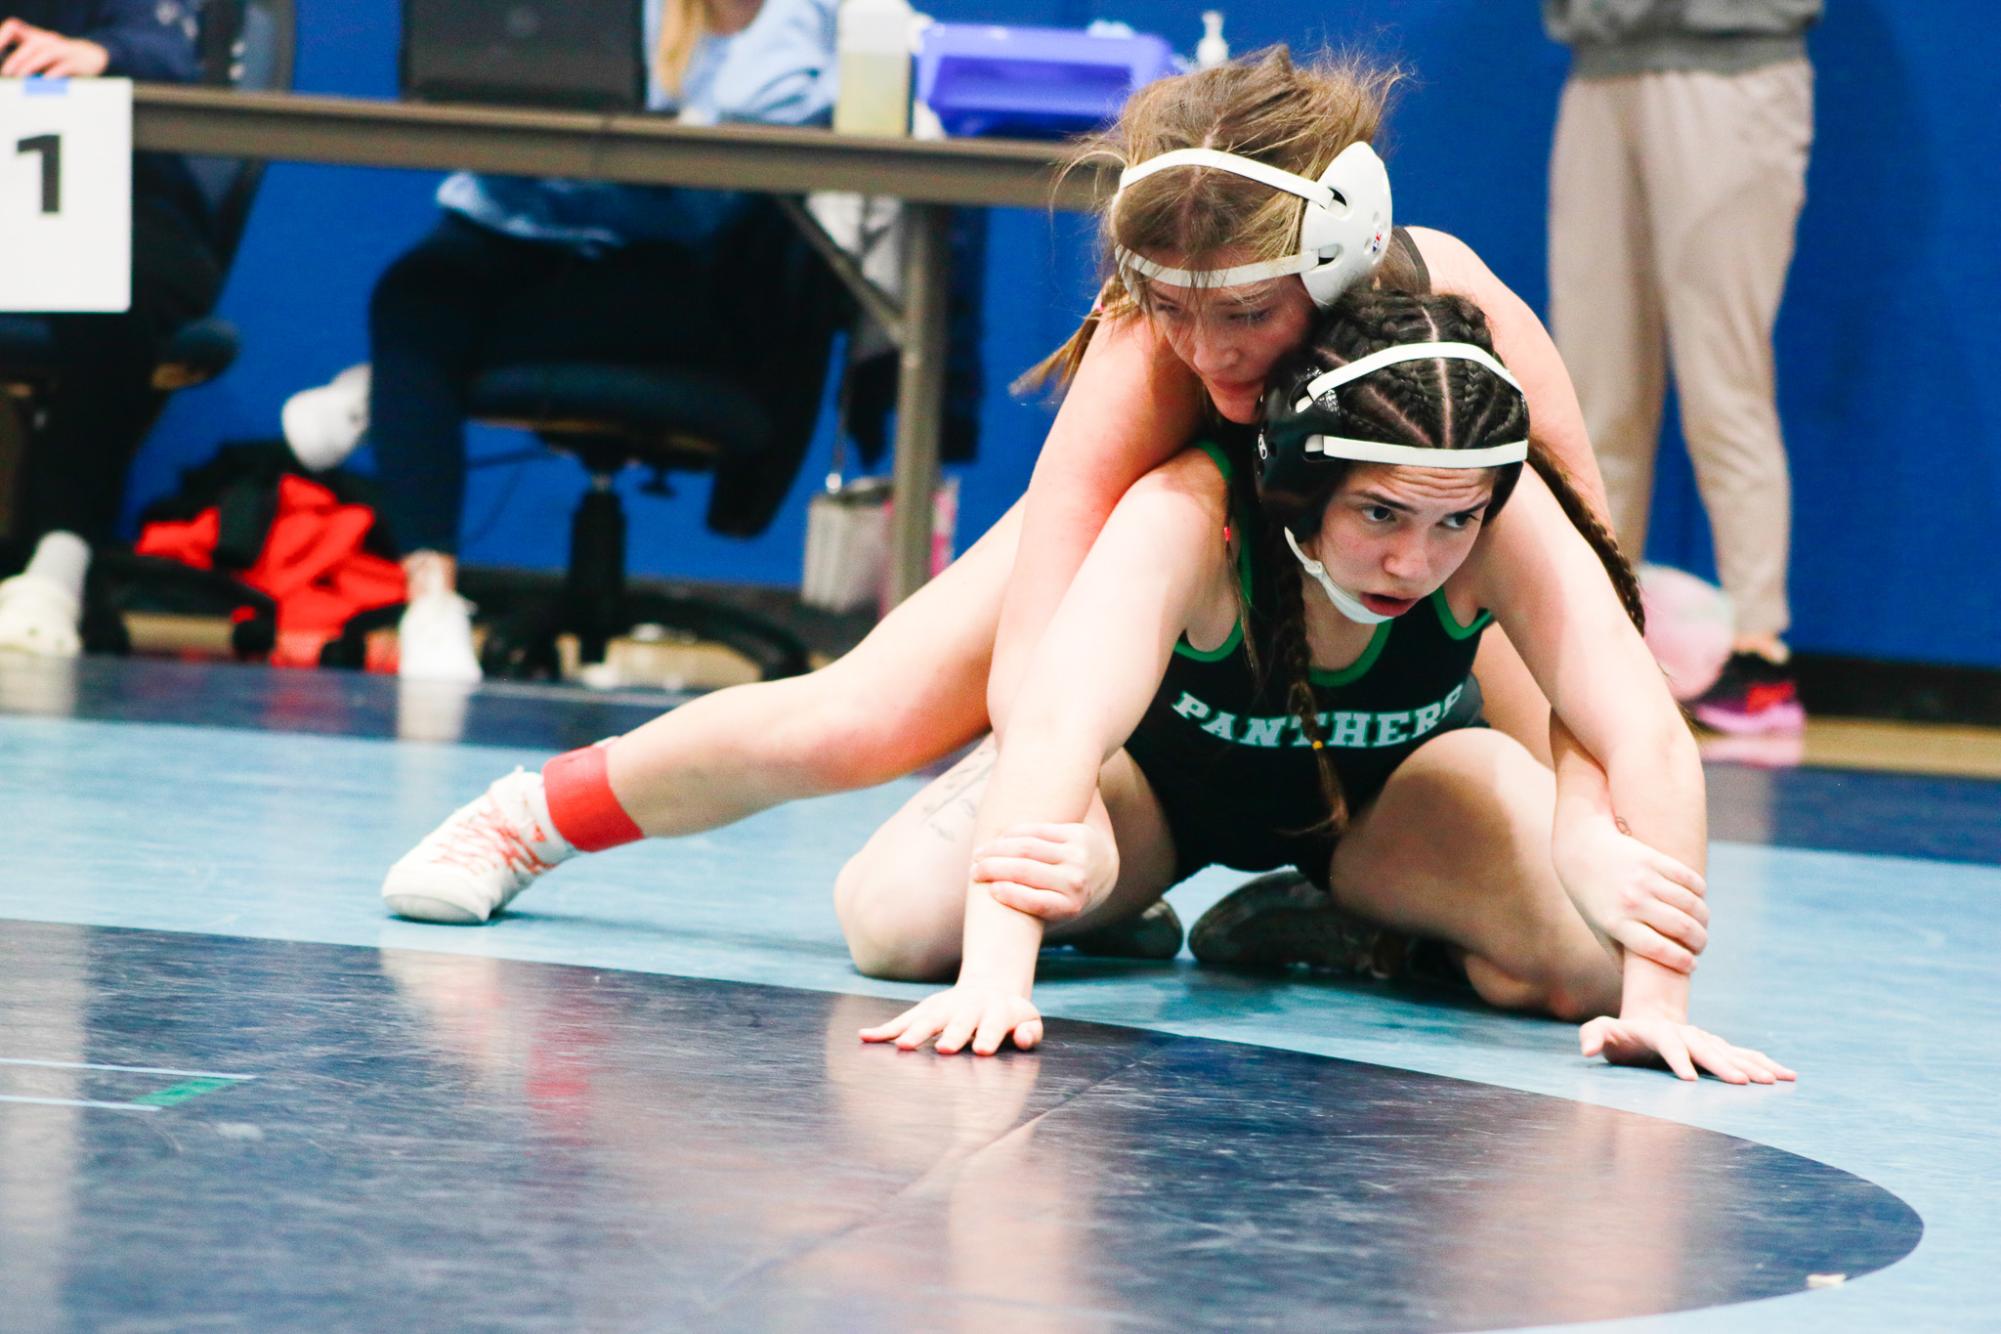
(1543, 987)
(883, 916)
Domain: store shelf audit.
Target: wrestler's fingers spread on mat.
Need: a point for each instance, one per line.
(885, 1030)
(1716, 1056)
(1637, 1041)
(901, 1026)
(1006, 1017)
(1761, 1068)
(1779, 1072)
(993, 1030)
(1674, 1051)
(958, 1031)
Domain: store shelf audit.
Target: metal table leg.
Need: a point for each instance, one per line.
(920, 396)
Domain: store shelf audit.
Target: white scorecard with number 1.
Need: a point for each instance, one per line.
(65, 195)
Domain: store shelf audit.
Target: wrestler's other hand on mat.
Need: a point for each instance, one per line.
(1052, 871)
(1645, 900)
(973, 1013)
(1683, 1047)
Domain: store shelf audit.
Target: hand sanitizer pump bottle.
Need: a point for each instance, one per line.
(872, 45)
(1212, 50)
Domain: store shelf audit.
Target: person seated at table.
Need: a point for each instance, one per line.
(532, 270)
(96, 409)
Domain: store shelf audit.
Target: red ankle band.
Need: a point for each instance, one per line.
(581, 802)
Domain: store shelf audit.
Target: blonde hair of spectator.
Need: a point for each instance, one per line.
(683, 25)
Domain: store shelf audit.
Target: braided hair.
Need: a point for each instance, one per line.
(1443, 403)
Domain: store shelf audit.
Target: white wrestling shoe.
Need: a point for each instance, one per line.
(39, 617)
(434, 640)
(474, 864)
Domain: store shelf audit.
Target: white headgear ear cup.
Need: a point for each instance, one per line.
(1352, 236)
(1343, 232)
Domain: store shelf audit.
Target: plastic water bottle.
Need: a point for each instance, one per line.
(872, 46)
(1212, 50)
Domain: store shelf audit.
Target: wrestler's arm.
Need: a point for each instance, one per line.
(1129, 408)
(1087, 685)
(1548, 590)
(1590, 841)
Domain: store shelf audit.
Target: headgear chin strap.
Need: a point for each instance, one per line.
(1344, 602)
(1341, 237)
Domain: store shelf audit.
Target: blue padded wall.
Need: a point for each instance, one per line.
(1892, 430)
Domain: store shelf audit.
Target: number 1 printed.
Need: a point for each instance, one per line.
(50, 146)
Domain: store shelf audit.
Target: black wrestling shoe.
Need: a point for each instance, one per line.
(1154, 933)
(1284, 920)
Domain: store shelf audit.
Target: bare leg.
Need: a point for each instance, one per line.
(910, 693)
(1456, 847)
(902, 898)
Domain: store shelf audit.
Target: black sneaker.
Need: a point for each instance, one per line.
(1284, 920)
(1753, 695)
(1153, 933)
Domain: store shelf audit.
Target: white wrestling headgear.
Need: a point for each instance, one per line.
(1341, 238)
(1319, 394)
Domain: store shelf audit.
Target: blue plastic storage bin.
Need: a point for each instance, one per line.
(982, 78)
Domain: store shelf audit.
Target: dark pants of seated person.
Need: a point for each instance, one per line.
(102, 401)
(468, 298)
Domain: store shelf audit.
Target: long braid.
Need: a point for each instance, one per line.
(1292, 663)
(1284, 623)
(1587, 522)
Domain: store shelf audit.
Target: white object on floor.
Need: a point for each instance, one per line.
(473, 864)
(39, 617)
(64, 558)
(1690, 627)
(324, 424)
(434, 640)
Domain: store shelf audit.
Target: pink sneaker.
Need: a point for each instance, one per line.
(1753, 695)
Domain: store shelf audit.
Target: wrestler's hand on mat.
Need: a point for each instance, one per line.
(1052, 871)
(981, 1014)
(1645, 900)
(1646, 1040)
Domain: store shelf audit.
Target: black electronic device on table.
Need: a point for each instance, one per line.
(583, 55)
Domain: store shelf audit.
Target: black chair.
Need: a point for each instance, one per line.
(749, 424)
(245, 44)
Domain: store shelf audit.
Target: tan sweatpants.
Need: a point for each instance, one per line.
(1673, 199)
